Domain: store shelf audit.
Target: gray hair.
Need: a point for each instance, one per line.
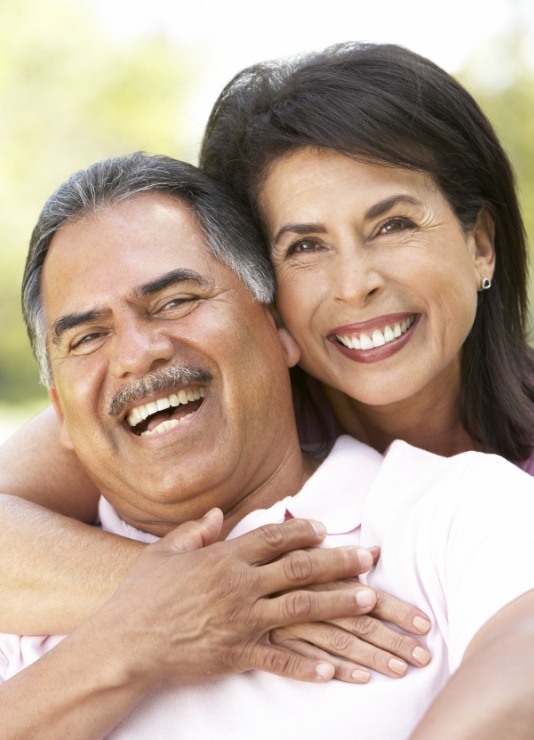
(228, 231)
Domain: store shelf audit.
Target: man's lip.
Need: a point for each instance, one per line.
(140, 415)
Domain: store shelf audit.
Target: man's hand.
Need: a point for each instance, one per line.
(183, 615)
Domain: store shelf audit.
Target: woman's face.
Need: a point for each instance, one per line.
(377, 279)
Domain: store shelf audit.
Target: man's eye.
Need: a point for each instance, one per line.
(85, 340)
(177, 302)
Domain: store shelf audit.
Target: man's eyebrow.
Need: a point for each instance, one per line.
(72, 320)
(378, 209)
(172, 278)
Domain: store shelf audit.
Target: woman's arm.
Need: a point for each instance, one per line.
(55, 571)
(35, 466)
(67, 568)
(491, 695)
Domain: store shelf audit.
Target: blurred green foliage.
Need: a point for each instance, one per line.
(502, 81)
(70, 94)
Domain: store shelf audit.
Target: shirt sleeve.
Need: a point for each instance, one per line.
(489, 554)
(17, 652)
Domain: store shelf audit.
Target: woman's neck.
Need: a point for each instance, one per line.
(429, 421)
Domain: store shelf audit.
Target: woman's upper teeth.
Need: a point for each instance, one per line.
(376, 338)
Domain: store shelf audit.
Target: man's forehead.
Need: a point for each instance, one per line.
(132, 245)
(145, 224)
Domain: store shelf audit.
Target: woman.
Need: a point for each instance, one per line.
(386, 196)
(364, 165)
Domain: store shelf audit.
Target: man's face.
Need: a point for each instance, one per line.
(169, 377)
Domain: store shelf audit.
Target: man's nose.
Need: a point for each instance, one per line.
(139, 346)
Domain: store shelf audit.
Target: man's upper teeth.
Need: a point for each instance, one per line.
(378, 337)
(140, 413)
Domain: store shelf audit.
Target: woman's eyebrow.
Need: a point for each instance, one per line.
(378, 209)
(299, 229)
(383, 206)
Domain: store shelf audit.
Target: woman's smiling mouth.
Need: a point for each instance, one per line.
(377, 337)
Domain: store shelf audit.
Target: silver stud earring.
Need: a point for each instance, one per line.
(486, 283)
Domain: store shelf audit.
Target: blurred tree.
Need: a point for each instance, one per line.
(501, 78)
(69, 95)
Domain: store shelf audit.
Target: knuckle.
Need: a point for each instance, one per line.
(390, 608)
(364, 626)
(233, 581)
(273, 536)
(403, 645)
(279, 637)
(375, 658)
(298, 605)
(399, 643)
(281, 663)
(340, 641)
(298, 566)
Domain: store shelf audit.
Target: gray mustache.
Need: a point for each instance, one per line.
(161, 380)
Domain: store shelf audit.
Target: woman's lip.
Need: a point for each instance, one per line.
(378, 322)
(375, 354)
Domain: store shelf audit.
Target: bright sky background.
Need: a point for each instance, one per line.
(223, 36)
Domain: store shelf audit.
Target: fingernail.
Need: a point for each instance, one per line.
(397, 666)
(421, 624)
(324, 671)
(421, 656)
(319, 528)
(365, 558)
(365, 598)
(360, 676)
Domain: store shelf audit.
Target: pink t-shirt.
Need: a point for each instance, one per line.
(442, 525)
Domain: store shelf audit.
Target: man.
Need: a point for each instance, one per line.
(171, 386)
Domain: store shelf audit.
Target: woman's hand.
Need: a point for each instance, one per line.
(356, 644)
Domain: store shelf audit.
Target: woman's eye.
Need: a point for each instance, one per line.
(395, 224)
(301, 246)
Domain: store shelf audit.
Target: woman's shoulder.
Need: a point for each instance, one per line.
(527, 465)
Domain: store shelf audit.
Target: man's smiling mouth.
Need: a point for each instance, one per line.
(164, 414)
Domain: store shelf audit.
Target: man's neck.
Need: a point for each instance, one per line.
(286, 480)
(261, 482)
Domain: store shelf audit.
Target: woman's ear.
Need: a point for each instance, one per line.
(64, 436)
(291, 348)
(483, 235)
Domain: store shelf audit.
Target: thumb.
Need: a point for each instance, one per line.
(195, 534)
